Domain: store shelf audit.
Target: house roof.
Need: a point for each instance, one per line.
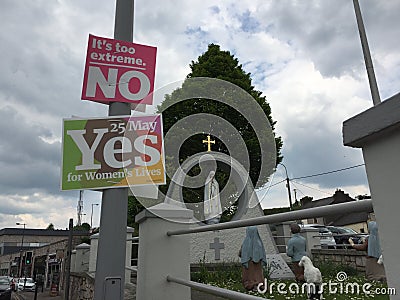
(318, 203)
(348, 219)
(338, 219)
(42, 232)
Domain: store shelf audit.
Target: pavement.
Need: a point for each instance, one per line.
(196, 295)
(31, 296)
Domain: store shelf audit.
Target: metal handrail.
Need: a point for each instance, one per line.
(364, 205)
(213, 290)
(349, 207)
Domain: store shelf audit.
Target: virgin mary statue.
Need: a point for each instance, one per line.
(212, 202)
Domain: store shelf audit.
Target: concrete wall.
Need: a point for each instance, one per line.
(377, 132)
(231, 238)
(82, 286)
(383, 162)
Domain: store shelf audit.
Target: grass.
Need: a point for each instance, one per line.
(229, 277)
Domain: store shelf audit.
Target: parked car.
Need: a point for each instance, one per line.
(5, 288)
(326, 237)
(26, 284)
(342, 235)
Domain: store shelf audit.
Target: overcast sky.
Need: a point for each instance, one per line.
(305, 56)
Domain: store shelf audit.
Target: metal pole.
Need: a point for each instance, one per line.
(79, 208)
(91, 216)
(213, 290)
(367, 55)
(288, 187)
(21, 263)
(300, 214)
(35, 295)
(22, 251)
(114, 206)
(68, 265)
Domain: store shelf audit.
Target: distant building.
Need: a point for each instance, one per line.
(357, 221)
(42, 250)
(11, 239)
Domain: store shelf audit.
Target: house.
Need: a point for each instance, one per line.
(356, 221)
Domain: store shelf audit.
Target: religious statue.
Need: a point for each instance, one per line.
(253, 258)
(212, 202)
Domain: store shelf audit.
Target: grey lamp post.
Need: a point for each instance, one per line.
(91, 215)
(21, 250)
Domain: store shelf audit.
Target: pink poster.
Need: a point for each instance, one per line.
(118, 71)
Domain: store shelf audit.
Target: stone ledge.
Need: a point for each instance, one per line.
(376, 121)
(343, 252)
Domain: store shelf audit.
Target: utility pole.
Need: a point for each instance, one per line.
(68, 264)
(367, 55)
(110, 265)
(79, 208)
(288, 187)
(21, 258)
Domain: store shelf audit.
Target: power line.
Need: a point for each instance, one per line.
(271, 185)
(311, 188)
(308, 176)
(297, 188)
(330, 172)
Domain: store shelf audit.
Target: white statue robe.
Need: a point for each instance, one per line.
(212, 202)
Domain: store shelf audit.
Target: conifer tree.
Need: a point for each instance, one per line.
(215, 63)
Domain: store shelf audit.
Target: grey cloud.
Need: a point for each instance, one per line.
(27, 162)
(326, 31)
(314, 148)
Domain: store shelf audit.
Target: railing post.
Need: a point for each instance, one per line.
(161, 255)
(313, 241)
(128, 253)
(73, 260)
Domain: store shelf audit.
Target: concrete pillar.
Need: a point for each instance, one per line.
(94, 243)
(82, 258)
(377, 132)
(313, 240)
(73, 260)
(283, 232)
(161, 255)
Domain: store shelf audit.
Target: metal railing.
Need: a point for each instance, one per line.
(132, 269)
(360, 206)
(213, 290)
(349, 207)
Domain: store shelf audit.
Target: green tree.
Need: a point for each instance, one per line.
(215, 63)
(134, 207)
(82, 227)
(50, 227)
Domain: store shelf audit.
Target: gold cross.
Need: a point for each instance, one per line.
(209, 142)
